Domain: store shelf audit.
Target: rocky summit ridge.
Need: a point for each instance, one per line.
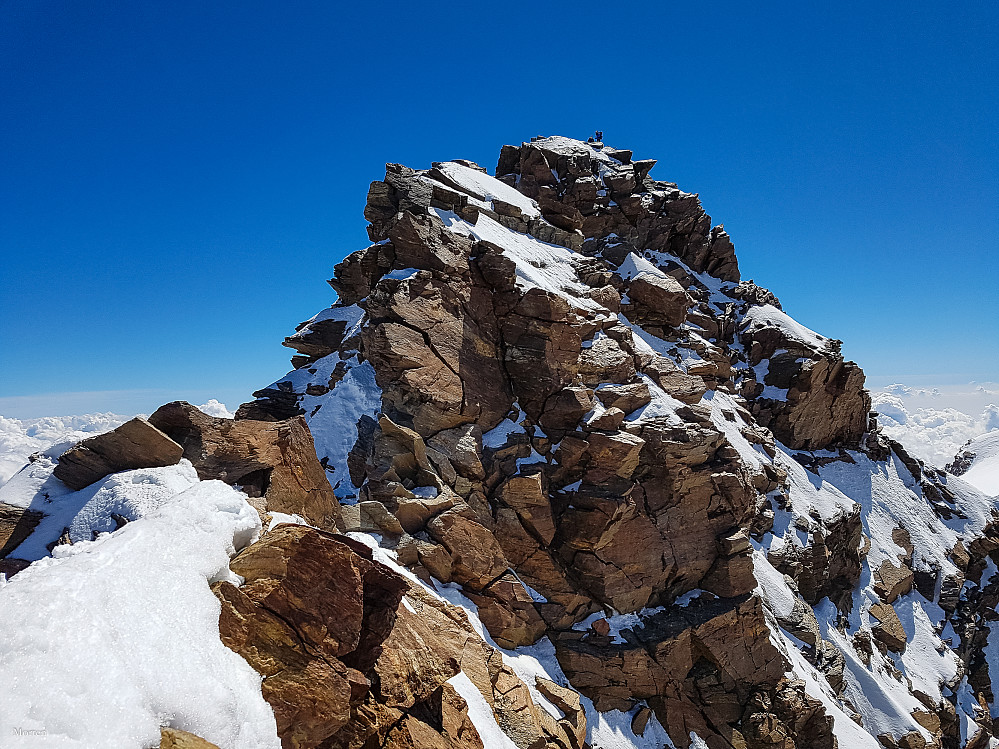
(550, 474)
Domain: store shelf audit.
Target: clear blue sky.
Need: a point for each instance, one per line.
(178, 179)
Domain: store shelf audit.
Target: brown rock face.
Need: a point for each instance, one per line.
(697, 667)
(135, 444)
(173, 738)
(549, 440)
(299, 618)
(16, 524)
(825, 403)
(275, 461)
(354, 656)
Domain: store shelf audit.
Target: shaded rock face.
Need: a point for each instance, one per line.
(16, 524)
(273, 461)
(135, 444)
(829, 566)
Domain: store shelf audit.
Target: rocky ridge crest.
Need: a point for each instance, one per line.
(578, 413)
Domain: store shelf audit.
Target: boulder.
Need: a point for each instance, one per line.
(661, 298)
(135, 444)
(527, 496)
(310, 619)
(628, 398)
(174, 738)
(476, 556)
(888, 630)
(686, 388)
(508, 612)
(605, 361)
(272, 461)
(892, 580)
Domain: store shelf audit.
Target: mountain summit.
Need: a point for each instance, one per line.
(586, 487)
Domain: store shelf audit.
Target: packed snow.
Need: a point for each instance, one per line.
(539, 265)
(984, 471)
(481, 714)
(133, 609)
(487, 188)
(768, 316)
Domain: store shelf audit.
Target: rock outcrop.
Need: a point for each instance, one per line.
(16, 524)
(135, 444)
(274, 463)
(354, 655)
(554, 383)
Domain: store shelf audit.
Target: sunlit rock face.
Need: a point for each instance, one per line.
(550, 474)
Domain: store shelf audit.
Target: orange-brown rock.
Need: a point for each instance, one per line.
(527, 496)
(892, 580)
(625, 397)
(273, 460)
(476, 556)
(16, 524)
(829, 565)
(174, 738)
(888, 630)
(135, 444)
(509, 613)
(698, 667)
(448, 711)
(310, 619)
(594, 511)
(660, 299)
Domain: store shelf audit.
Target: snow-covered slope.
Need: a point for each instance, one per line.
(107, 640)
(980, 464)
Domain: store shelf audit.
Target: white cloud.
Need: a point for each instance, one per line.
(934, 422)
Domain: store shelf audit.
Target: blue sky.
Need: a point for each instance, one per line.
(178, 179)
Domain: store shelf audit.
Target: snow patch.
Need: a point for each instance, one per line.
(768, 316)
(110, 639)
